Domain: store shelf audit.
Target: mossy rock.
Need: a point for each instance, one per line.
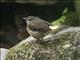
(64, 45)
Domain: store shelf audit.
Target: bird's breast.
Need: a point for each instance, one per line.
(35, 34)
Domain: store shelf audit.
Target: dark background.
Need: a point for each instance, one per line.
(13, 28)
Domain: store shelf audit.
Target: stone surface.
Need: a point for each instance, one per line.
(63, 45)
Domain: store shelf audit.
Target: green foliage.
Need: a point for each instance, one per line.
(68, 18)
(61, 19)
(71, 19)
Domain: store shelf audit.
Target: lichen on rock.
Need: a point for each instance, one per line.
(64, 45)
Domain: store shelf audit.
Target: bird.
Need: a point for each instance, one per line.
(37, 27)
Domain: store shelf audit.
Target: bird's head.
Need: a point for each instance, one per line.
(30, 18)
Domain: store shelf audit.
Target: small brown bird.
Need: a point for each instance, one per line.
(37, 27)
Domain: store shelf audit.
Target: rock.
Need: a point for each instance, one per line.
(63, 45)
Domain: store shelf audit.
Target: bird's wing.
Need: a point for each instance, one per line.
(49, 24)
(39, 27)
